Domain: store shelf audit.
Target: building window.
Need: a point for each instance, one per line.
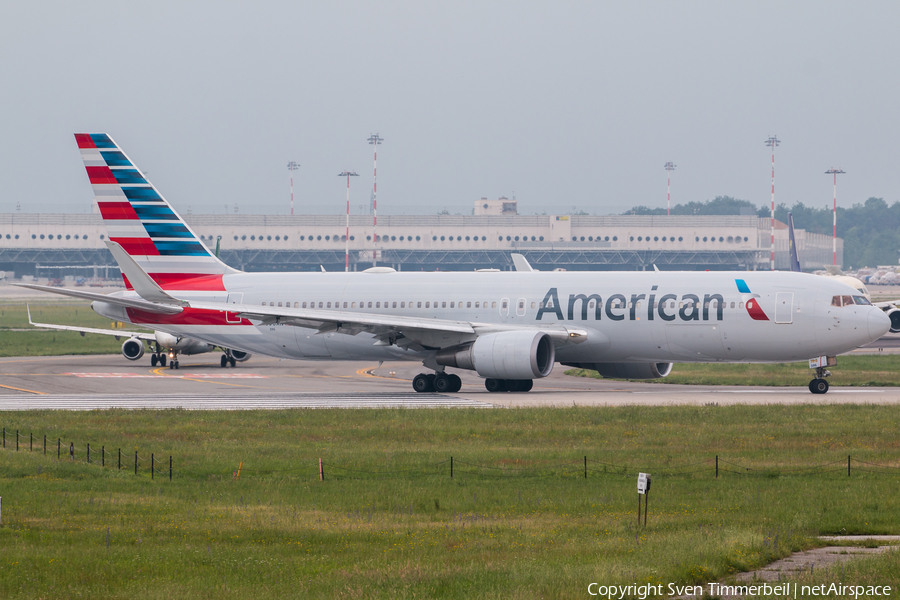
(582, 238)
(433, 238)
(704, 238)
(517, 238)
(277, 238)
(483, 239)
(615, 238)
(574, 238)
(252, 237)
(442, 239)
(631, 238)
(327, 237)
(417, 238)
(656, 238)
(319, 238)
(745, 239)
(507, 238)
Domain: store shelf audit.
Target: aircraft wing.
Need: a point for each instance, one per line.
(417, 333)
(126, 302)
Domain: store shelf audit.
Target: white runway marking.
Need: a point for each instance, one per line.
(261, 402)
(179, 376)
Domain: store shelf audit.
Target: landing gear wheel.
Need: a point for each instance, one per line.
(162, 360)
(223, 361)
(153, 360)
(495, 385)
(175, 362)
(232, 362)
(421, 383)
(455, 383)
(818, 386)
(442, 383)
(520, 385)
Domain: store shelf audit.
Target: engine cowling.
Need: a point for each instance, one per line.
(240, 355)
(133, 349)
(504, 355)
(894, 315)
(627, 370)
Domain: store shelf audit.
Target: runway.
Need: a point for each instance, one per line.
(103, 382)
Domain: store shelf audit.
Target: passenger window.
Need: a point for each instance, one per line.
(533, 304)
(732, 305)
(638, 305)
(468, 305)
(353, 305)
(443, 305)
(681, 305)
(304, 305)
(541, 304)
(394, 305)
(521, 304)
(321, 305)
(452, 304)
(378, 305)
(279, 304)
(296, 305)
(370, 305)
(403, 305)
(345, 305)
(476, 304)
(504, 304)
(428, 305)
(271, 304)
(493, 305)
(329, 305)
(740, 305)
(263, 303)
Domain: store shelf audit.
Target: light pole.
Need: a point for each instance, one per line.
(374, 140)
(348, 175)
(292, 166)
(772, 142)
(835, 172)
(669, 168)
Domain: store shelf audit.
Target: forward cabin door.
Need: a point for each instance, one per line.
(784, 307)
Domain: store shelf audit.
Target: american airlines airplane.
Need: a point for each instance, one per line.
(509, 327)
(168, 346)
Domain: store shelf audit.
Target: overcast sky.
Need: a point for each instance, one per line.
(560, 104)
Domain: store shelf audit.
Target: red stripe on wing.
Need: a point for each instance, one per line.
(189, 316)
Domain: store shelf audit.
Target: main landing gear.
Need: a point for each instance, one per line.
(227, 359)
(441, 383)
(158, 359)
(819, 385)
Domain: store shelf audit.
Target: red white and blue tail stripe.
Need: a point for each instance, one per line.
(138, 218)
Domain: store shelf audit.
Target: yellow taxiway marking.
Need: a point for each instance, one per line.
(157, 370)
(367, 372)
(9, 387)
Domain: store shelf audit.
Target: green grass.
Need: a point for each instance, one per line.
(858, 370)
(34, 342)
(389, 522)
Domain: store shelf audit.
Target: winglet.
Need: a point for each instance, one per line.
(792, 244)
(143, 284)
(28, 308)
(521, 263)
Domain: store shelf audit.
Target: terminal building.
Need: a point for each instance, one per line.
(53, 245)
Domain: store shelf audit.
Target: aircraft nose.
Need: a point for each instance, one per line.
(879, 324)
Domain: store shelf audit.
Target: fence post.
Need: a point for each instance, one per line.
(717, 466)
(170, 467)
(102, 456)
(31, 442)
(321, 471)
(151, 465)
(120, 459)
(585, 467)
(17, 440)
(4, 437)
(58, 448)
(451, 467)
(89, 454)
(45, 445)
(135, 462)
(848, 465)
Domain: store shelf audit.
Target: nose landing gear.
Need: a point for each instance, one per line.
(819, 385)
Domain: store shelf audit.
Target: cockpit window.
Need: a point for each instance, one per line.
(849, 300)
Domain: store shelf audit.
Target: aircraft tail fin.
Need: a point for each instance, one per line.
(139, 219)
(792, 245)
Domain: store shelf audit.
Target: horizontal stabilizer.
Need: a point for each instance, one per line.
(165, 309)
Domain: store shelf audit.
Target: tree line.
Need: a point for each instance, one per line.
(870, 230)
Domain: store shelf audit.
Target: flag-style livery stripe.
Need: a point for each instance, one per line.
(140, 220)
(752, 305)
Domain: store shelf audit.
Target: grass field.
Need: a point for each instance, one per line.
(856, 370)
(518, 518)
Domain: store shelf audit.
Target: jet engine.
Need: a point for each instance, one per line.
(182, 345)
(504, 355)
(894, 315)
(240, 355)
(627, 370)
(133, 349)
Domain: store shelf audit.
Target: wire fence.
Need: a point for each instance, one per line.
(584, 467)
